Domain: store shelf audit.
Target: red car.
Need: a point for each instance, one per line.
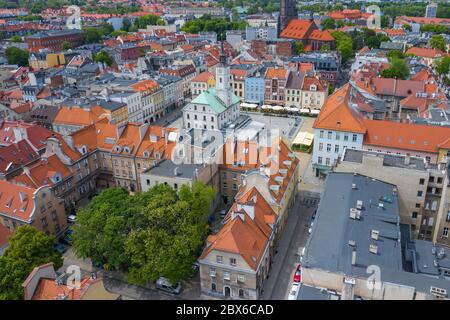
(298, 274)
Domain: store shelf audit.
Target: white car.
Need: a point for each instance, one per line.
(293, 294)
(72, 218)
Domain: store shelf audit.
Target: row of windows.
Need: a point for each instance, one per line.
(337, 136)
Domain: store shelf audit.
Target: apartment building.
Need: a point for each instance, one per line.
(151, 98)
(275, 83)
(235, 262)
(346, 122)
(202, 82)
(422, 188)
(70, 119)
(37, 207)
(358, 217)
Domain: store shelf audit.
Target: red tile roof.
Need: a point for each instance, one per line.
(405, 136)
(17, 154)
(322, 35)
(298, 29)
(16, 201)
(425, 52)
(337, 115)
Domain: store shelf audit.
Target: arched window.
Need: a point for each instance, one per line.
(241, 293)
(213, 287)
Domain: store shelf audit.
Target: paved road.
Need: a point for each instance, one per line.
(294, 237)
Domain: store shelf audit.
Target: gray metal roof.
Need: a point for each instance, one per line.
(389, 160)
(328, 247)
(171, 170)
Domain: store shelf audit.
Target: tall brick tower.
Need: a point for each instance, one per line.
(288, 11)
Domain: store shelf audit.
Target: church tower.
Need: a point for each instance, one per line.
(288, 12)
(223, 79)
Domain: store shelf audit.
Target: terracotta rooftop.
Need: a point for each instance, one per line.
(337, 115)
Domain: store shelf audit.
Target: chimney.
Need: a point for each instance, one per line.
(407, 159)
(354, 257)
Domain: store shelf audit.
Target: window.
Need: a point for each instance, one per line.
(336, 148)
(354, 138)
(338, 136)
(148, 182)
(439, 180)
(328, 147)
(419, 193)
(212, 272)
(330, 134)
(233, 261)
(320, 146)
(327, 161)
(431, 179)
(44, 222)
(319, 160)
(414, 215)
(345, 137)
(417, 205)
(445, 232)
(213, 287)
(321, 133)
(241, 278)
(422, 181)
(241, 293)
(226, 275)
(219, 259)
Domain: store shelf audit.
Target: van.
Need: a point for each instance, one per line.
(166, 285)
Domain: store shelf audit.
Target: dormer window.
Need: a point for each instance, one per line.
(146, 154)
(118, 148)
(127, 150)
(313, 87)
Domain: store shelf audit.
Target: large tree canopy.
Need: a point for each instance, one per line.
(28, 248)
(151, 234)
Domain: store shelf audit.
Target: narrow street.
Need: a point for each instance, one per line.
(293, 239)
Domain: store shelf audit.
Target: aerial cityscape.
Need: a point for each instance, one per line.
(224, 150)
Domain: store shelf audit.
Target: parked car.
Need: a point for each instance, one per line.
(61, 248)
(222, 213)
(166, 285)
(298, 274)
(72, 218)
(293, 294)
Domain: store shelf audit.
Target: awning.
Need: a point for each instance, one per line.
(303, 138)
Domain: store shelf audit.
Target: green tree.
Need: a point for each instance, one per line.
(344, 45)
(103, 226)
(438, 42)
(398, 69)
(66, 46)
(443, 65)
(28, 248)
(16, 39)
(126, 24)
(325, 48)
(299, 47)
(407, 27)
(103, 57)
(328, 23)
(177, 225)
(92, 35)
(150, 19)
(17, 56)
(396, 54)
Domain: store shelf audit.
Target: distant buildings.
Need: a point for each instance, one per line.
(417, 22)
(53, 40)
(309, 34)
(431, 10)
